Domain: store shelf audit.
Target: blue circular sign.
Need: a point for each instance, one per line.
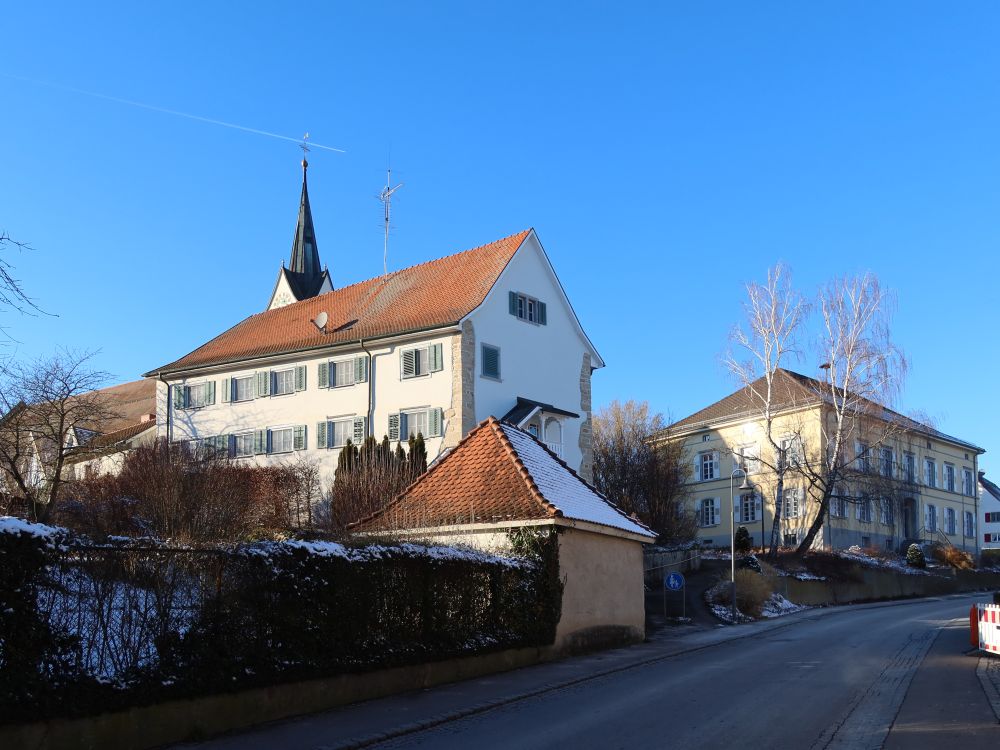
(674, 581)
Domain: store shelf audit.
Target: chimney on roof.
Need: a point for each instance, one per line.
(146, 418)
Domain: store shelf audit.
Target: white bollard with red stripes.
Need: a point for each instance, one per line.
(989, 627)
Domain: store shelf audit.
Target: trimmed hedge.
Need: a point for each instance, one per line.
(87, 629)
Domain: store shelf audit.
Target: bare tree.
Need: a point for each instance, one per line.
(12, 294)
(775, 315)
(864, 375)
(640, 476)
(50, 405)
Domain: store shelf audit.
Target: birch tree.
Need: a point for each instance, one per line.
(864, 372)
(766, 342)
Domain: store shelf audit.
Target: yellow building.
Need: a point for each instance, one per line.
(903, 481)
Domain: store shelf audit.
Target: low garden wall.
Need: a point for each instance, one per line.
(660, 561)
(862, 584)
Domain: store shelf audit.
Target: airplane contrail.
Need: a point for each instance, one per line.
(174, 112)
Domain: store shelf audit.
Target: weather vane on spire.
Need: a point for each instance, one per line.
(305, 150)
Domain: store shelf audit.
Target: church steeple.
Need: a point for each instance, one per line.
(305, 253)
(304, 277)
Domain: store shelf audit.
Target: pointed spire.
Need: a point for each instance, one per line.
(305, 254)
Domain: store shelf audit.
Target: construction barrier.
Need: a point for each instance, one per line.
(987, 627)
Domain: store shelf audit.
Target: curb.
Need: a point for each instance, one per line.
(807, 615)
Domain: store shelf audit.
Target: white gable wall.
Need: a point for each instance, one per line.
(988, 504)
(538, 362)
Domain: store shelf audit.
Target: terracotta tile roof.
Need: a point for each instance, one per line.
(437, 293)
(110, 441)
(498, 473)
(130, 401)
(792, 389)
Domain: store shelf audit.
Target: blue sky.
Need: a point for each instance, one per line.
(667, 153)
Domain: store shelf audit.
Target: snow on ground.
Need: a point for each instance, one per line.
(889, 563)
(777, 605)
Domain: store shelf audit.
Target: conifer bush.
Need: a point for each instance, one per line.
(915, 557)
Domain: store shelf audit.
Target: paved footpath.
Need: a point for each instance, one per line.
(866, 676)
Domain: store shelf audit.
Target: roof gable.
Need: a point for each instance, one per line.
(498, 473)
(430, 295)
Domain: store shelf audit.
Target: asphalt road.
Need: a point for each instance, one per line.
(851, 677)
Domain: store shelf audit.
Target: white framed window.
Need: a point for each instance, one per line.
(886, 461)
(407, 423)
(416, 424)
(887, 512)
(950, 525)
(864, 509)
(490, 361)
(748, 507)
(342, 372)
(282, 382)
(527, 308)
(967, 487)
(930, 517)
(747, 458)
(708, 466)
(949, 477)
(282, 439)
(838, 504)
(194, 396)
(863, 457)
(533, 430)
(969, 527)
(709, 511)
(341, 430)
(930, 472)
(243, 388)
(243, 444)
(909, 467)
(791, 540)
(792, 502)
(420, 361)
(789, 452)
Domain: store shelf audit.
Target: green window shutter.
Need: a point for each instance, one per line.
(299, 437)
(512, 303)
(408, 363)
(434, 420)
(436, 355)
(227, 390)
(323, 375)
(394, 427)
(263, 383)
(211, 392)
(491, 361)
(300, 378)
(321, 435)
(542, 316)
(361, 370)
(178, 396)
(359, 430)
(260, 441)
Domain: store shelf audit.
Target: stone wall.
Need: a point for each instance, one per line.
(461, 417)
(586, 427)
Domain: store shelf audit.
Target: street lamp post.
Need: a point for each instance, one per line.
(732, 534)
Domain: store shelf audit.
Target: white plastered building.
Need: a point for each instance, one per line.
(434, 348)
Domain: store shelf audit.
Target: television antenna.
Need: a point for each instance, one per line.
(386, 197)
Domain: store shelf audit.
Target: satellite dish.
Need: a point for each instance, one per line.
(321, 320)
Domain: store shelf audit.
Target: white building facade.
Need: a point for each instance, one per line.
(989, 507)
(433, 349)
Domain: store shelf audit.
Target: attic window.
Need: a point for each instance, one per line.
(706, 437)
(526, 308)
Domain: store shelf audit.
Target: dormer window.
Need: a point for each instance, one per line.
(528, 309)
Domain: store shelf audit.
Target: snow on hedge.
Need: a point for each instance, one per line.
(12, 525)
(384, 552)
